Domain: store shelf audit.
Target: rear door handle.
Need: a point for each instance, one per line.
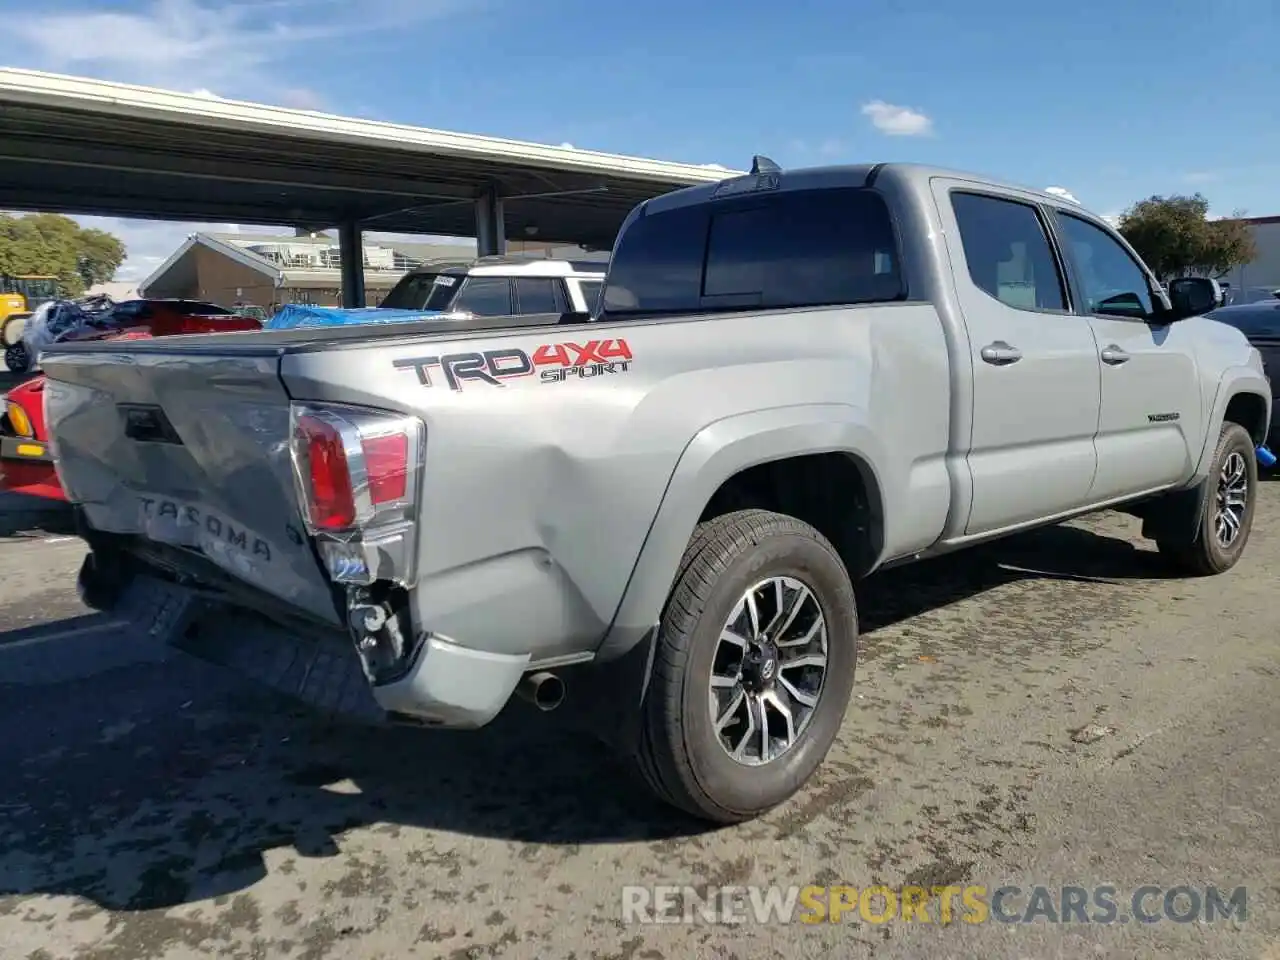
(1001, 354)
(1113, 355)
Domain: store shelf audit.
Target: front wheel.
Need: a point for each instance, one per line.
(755, 664)
(1226, 516)
(16, 358)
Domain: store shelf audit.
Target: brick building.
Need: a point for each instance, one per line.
(267, 271)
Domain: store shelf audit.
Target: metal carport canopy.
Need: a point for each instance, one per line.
(75, 145)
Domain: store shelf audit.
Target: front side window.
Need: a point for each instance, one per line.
(1113, 283)
(1008, 252)
(770, 250)
(485, 297)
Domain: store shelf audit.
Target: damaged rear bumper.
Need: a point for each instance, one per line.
(444, 685)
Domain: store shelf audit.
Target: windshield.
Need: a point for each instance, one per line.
(191, 308)
(423, 291)
(36, 289)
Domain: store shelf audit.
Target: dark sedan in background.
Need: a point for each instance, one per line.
(1260, 322)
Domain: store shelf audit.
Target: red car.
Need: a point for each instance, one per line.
(25, 464)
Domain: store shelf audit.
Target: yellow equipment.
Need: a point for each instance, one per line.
(19, 298)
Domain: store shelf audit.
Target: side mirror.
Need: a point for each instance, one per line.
(1193, 296)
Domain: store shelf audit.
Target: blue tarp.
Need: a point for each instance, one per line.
(293, 315)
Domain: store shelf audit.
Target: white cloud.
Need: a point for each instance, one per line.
(896, 121)
(240, 48)
(1062, 192)
(301, 98)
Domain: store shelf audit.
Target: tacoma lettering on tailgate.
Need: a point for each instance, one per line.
(185, 516)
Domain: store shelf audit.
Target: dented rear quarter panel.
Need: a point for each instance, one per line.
(550, 509)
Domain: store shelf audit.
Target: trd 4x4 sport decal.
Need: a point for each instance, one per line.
(553, 362)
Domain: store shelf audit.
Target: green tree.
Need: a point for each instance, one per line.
(48, 244)
(1176, 238)
(100, 256)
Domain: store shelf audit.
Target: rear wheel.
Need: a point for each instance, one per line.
(754, 667)
(101, 581)
(1226, 516)
(16, 358)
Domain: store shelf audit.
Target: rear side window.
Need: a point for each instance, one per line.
(540, 295)
(796, 248)
(485, 297)
(1008, 252)
(591, 293)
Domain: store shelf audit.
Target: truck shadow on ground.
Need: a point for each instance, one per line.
(1053, 553)
(168, 782)
(24, 516)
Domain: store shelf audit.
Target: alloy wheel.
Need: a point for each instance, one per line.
(768, 671)
(1232, 499)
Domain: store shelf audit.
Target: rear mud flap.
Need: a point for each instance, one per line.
(322, 673)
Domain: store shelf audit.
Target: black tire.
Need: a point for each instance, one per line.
(99, 584)
(677, 750)
(1203, 555)
(16, 358)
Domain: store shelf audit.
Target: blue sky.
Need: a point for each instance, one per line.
(1113, 100)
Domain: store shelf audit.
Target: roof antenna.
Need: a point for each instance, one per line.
(761, 165)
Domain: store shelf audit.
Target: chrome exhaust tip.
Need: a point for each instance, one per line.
(544, 690)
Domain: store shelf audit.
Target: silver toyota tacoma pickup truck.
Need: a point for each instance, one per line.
(660, 513)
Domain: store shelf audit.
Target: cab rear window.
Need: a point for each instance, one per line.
(797, 248)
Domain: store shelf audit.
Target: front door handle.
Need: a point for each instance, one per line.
(1001, 354)
(1113, 355)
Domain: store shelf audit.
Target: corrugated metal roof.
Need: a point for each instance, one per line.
(72, 144)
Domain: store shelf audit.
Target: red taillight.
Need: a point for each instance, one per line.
(356, 468)
(332, 502)
(387, 464)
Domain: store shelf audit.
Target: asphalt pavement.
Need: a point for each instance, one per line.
(1050, 711)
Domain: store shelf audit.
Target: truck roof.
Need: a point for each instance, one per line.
(853, 175)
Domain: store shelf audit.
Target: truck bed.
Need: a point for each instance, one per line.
(266, 343)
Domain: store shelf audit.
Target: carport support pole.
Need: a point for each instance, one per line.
(491, 226)
(351, 249)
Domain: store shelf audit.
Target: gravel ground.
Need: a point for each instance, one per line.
(1050, 711)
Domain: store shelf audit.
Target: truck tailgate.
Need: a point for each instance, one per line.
(189, 448)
